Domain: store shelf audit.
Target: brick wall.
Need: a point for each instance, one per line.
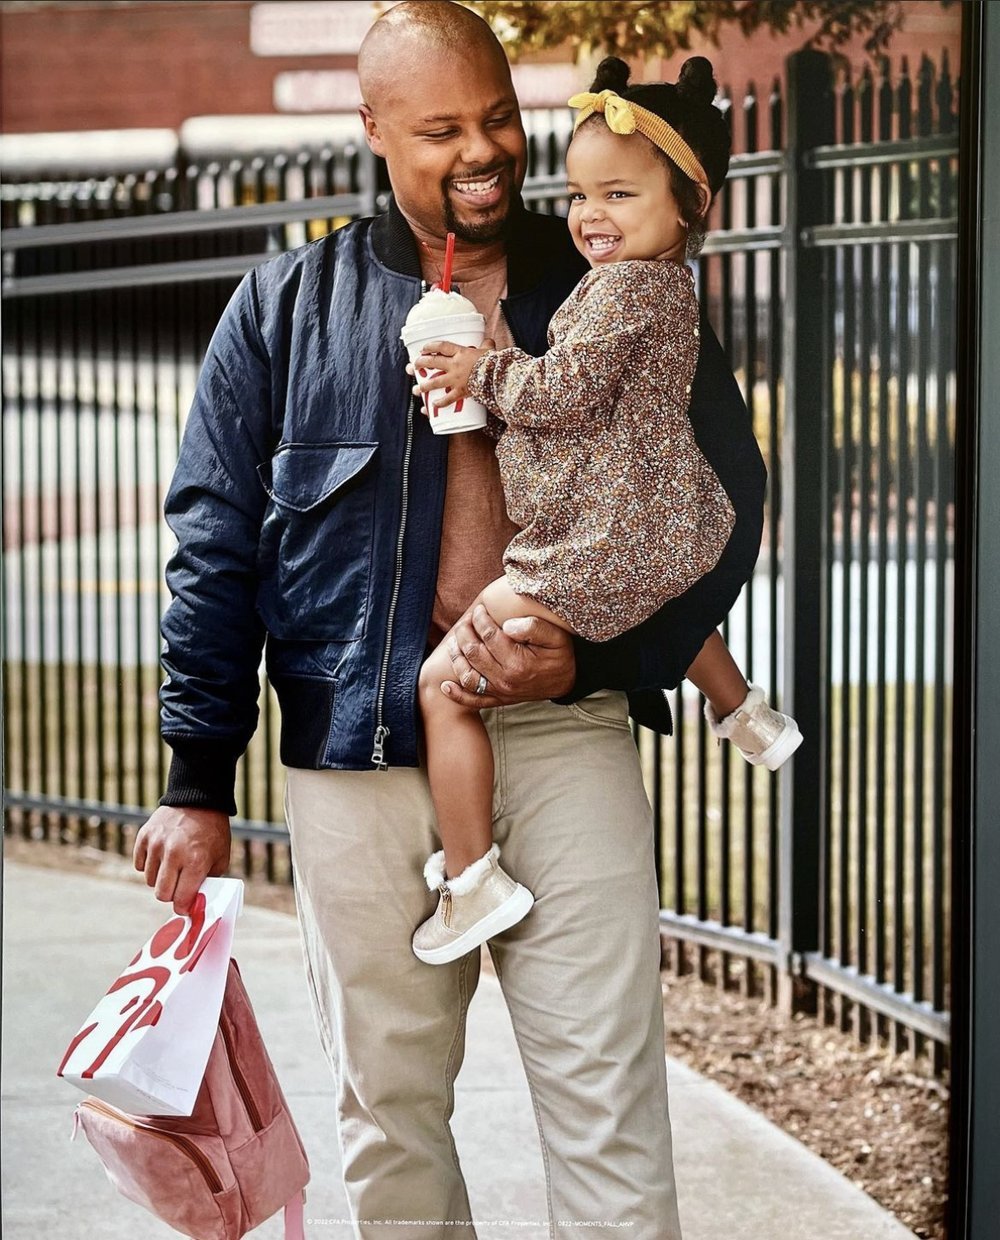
(75, 66)
(72, 67)
(927, 27)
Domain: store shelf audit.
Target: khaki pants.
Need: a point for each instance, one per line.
(580, 975)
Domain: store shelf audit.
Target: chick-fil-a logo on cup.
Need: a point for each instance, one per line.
(433, 411)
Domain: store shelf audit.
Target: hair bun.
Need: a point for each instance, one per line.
(613, 74)
(697, 81)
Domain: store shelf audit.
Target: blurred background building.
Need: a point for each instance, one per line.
(228, 71)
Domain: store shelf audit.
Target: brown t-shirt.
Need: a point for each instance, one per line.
(475, 528)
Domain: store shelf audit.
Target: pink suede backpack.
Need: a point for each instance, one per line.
(235, 1161)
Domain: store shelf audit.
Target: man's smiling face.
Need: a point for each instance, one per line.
(450, 130)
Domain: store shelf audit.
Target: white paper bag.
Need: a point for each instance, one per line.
(145, 1046)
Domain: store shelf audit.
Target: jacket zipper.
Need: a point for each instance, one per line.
(503, 316)
(189, 1147)
(381, 731)
(241, 1084)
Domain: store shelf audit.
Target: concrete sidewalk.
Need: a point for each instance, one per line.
(66, 936)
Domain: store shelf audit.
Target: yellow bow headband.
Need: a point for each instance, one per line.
(625, 117)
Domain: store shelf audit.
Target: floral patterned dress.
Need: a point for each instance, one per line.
(619, 510)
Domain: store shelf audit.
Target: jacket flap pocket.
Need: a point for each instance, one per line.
(300, 476)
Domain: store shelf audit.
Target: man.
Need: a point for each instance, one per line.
(315, 509)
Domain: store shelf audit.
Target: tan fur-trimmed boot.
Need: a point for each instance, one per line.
(474, 906)
(765, 737)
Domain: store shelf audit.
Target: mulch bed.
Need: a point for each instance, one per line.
(880, 1119)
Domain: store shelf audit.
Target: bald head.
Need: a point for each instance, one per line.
(439, 107)
(401, 40)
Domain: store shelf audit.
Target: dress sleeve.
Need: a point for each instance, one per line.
(494, 427)
(593, 338)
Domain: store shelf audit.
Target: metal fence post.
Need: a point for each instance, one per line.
(804, 495)
(975, 1120)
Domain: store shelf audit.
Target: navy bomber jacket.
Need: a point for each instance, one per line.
(307, 502)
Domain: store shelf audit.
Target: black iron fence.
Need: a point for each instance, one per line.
(829, 274)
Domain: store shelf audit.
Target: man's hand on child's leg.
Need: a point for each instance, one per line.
(526, 660)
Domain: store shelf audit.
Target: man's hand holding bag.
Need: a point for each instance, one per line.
(145, 1045)
(186, 1112)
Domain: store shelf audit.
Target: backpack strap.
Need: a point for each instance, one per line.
(293, 1217)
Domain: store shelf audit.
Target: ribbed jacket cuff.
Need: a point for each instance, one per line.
(202, 775)
(600, 666)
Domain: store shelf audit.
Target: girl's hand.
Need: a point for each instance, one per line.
(454, 362)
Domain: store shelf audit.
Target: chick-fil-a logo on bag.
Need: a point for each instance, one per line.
(147, 973)
(423, 373)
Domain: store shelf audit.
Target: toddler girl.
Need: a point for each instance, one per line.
(619, 510)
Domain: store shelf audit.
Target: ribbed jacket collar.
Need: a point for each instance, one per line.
(529, 246)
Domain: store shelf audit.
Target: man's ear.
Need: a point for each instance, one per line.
(372, 135)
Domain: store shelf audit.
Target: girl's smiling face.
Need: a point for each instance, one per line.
(621, 204)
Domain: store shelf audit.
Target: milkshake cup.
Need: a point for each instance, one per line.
(441, 315)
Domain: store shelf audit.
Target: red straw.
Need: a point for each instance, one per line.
(449, 255)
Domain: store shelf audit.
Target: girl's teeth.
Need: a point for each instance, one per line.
(603, 243)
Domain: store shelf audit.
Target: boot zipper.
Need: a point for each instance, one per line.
(189, 1147)
(241, 1085)
(381, 731)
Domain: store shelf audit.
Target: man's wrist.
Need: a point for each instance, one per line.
(202, 775)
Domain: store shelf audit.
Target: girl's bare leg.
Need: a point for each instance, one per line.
(459, 768)
(459, 755)
(715, 673)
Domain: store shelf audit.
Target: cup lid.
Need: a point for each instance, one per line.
(437, 328)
